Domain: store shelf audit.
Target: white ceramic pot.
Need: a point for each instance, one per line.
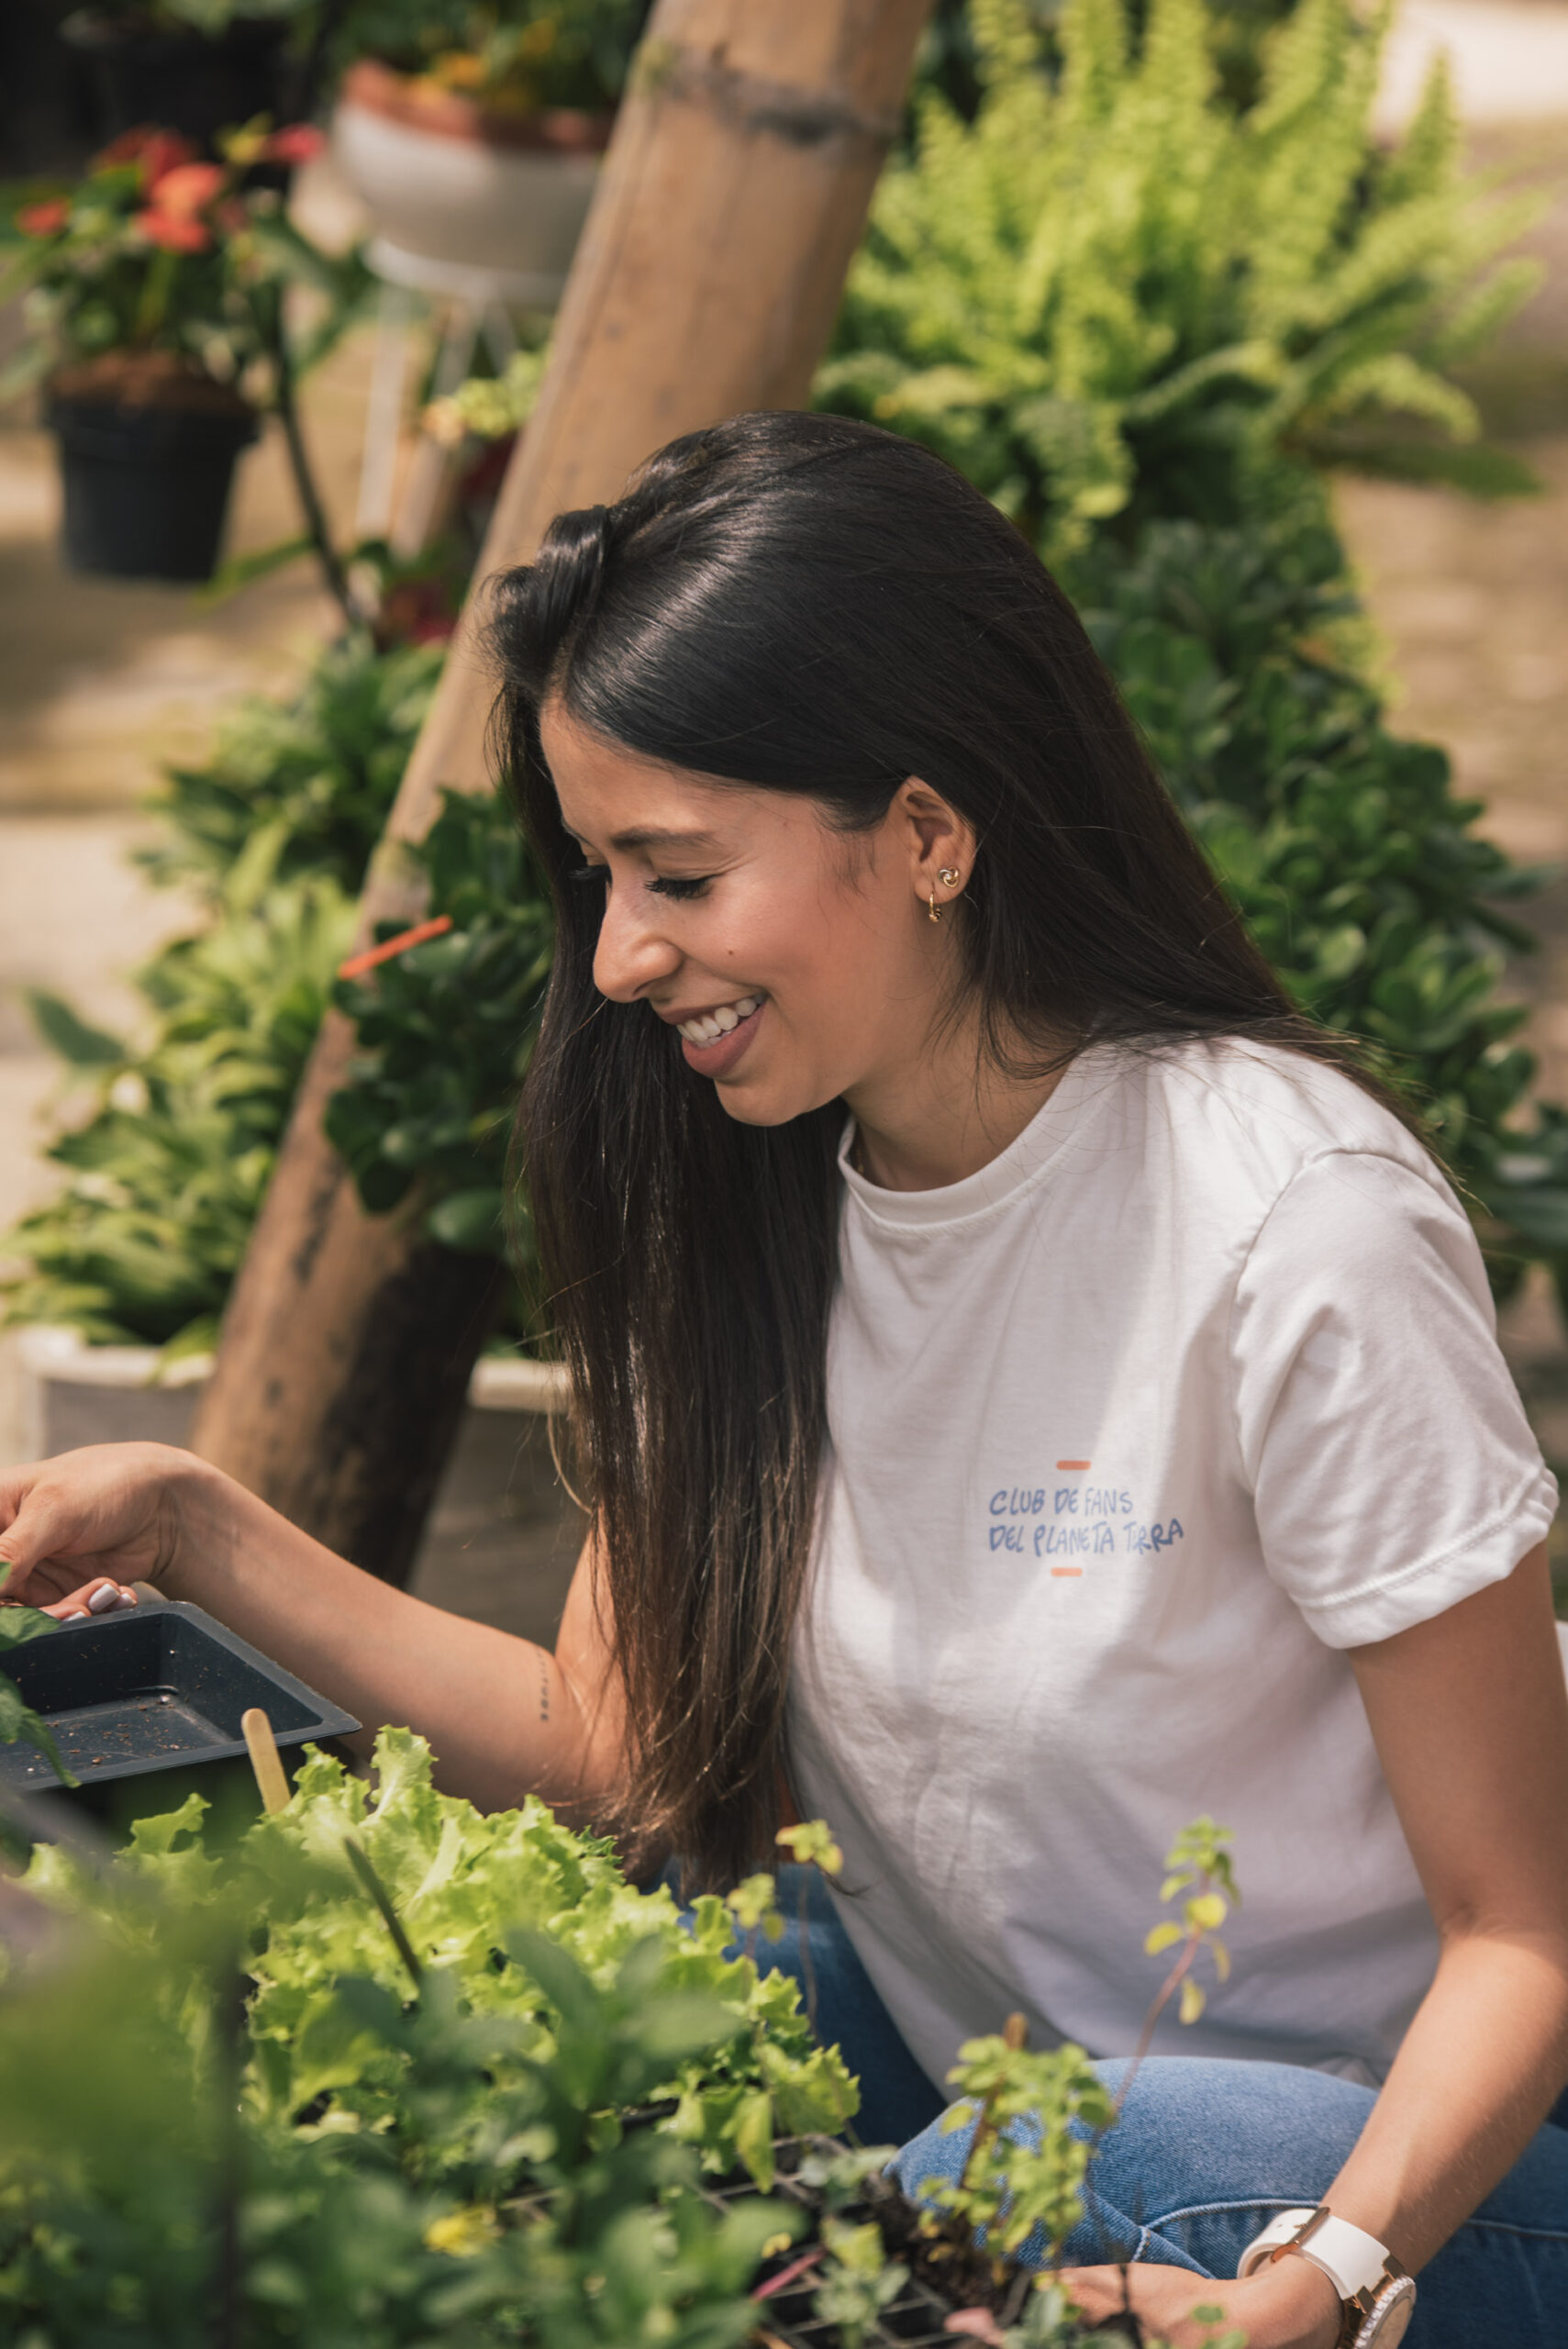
(502, 1534)
(455, 191)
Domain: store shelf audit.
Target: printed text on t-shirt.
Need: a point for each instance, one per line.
(1074, 1520)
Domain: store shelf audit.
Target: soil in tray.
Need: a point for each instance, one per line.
(131, 1728)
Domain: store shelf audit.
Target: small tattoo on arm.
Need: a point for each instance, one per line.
(544, 1689)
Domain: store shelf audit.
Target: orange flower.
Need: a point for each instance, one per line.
(186, 188)
(296, 142)
(174, 231)
(44, 220)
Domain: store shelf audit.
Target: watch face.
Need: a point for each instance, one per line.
(1390, 2317)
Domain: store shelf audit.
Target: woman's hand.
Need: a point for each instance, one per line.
(1288, 2305)
(90, 1521)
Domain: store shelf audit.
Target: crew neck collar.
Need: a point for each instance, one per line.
(1075, 1099)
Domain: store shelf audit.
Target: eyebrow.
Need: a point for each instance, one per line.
(654, 838)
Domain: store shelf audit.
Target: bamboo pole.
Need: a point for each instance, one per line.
(733, 194)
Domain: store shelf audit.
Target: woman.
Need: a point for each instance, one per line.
(1037, 1389)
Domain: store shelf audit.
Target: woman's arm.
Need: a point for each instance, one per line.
(505, 1718)
(1470, 1716)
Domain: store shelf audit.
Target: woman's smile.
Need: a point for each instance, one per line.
(712, 1042)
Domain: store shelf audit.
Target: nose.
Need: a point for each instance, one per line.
(633, 954)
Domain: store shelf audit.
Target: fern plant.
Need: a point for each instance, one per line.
(1111, 296)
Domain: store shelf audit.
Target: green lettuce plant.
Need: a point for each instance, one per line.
(520, 2182)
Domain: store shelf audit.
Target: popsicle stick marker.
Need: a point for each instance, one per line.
(357, 964)
(262, 1748)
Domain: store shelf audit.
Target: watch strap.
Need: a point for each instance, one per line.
(1353, 2261)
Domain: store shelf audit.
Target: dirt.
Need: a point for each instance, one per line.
(148, 378)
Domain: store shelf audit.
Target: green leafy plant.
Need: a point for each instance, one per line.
(19, 1724)
(857, 2279)
(1111, 296)
(165, 1176)
(1039, 2118)
(165, 1173)
(300, 787)
(1359, 872)
(1024, 2177)
(447, 1030)
(1201, 1872)
(228, 2112)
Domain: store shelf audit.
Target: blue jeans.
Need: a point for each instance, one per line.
(1205, 2154)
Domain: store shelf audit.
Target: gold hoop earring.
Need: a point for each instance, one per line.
(936, 910)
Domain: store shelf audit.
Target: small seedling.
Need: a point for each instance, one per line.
(857, 2279)
(755, 1911)
(810, 1843)
(1199, 1872)
(1039, 2119)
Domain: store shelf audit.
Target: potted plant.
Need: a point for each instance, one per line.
(471, 129)
(153, 294)
(194, 64)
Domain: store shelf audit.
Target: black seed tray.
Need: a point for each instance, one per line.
(153, 1689)
(915, 2319)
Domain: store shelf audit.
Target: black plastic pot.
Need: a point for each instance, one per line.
(180, 80)
(146, 487)
(145, 1707)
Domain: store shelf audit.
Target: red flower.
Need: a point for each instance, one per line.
(156, 150)
(296, 142)
(44, 220)
(184, 189)
(174, 231)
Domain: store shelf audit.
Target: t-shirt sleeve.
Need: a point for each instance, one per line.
(1392, 1467)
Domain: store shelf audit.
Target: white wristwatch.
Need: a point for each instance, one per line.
(1377, 2296)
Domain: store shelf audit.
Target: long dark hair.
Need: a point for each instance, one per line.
(813, 606)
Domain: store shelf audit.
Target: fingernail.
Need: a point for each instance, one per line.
(107, 1595)
(76, 1615)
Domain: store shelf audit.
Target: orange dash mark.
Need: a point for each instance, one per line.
(1075, 1464)
(357, 964)
(1067, 1570)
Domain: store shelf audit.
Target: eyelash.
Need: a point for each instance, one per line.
(677, 886)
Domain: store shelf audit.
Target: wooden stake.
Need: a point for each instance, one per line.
(732, 198)
(257, 1730)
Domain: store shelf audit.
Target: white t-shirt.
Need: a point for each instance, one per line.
(1131, 1435)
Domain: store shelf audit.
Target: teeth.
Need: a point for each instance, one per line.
(709, 1026)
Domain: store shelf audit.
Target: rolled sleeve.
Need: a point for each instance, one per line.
(1392, 1467)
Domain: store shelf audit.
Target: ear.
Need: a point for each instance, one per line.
(939, 842)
